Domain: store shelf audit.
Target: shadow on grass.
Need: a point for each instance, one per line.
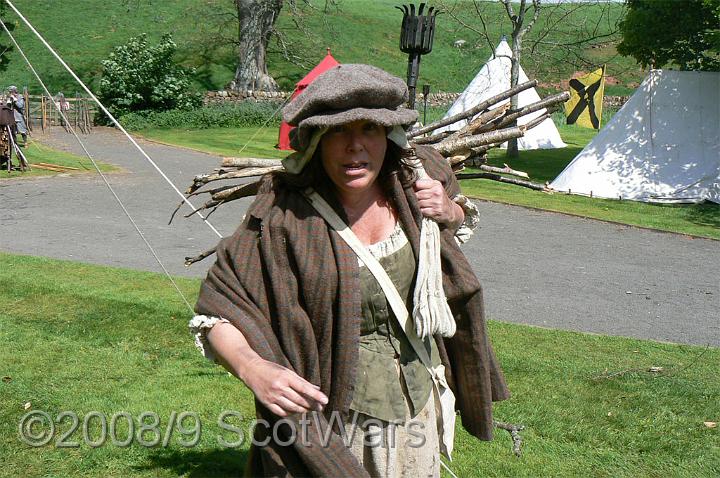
(706, 214)
(198, 464)
(541, 164)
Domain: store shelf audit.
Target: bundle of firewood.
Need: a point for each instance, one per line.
(492, 126)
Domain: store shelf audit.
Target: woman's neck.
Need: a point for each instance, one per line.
(356, 203)
(370, 216)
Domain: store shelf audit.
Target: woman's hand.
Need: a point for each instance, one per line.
(281, 390)
(435, 204)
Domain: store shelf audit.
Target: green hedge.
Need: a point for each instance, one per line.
(230, 115)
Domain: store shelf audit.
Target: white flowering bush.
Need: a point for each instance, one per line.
(141, 77)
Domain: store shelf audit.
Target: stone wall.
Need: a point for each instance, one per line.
(224, 96)
(439, 99)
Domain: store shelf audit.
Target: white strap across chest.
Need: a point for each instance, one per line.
(397, 304)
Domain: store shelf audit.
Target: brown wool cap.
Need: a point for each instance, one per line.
(347, 93)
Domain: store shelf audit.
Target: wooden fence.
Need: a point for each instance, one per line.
(41, 112)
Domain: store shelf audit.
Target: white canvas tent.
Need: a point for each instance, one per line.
(663, 144)
(494, 78)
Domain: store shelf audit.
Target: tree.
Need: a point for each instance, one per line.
(519, 29)
(5, 49)
(552, 33)
(684, 33)
(138, 77)
(253, 24)
(256, 19)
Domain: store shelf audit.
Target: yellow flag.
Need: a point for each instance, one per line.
(584, 107)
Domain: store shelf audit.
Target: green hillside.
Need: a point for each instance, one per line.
(85, 31)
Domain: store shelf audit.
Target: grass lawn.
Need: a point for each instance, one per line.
(38, 153)
(86, 338)
(223, 141)
(359, 31)
(542, 165)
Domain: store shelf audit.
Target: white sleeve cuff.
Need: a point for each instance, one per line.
(472, 219)
(200, 325)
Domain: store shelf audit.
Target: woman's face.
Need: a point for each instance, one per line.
(353, 154)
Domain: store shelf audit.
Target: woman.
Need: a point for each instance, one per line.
(288, 309)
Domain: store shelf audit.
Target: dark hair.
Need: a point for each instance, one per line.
(313, 174)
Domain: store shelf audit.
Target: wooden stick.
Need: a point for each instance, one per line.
(502, 179)
(474, 127)
(26, 113)
(57, 169)
(506, 170)
(512, 116)
(202, 179)
(474, 110)
(220, 196)
(460, 158)
(43, 108)
(461, 145)
(514, 431)
(192, 260)
(537, 121)
(230, 162)
(57, 166)
(432, 139)
(236, 192)
(485, 148)
(227, 195)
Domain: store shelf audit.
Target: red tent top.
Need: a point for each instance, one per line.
(326, 63)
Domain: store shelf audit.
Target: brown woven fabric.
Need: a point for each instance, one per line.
(344, 94)
(291, 286)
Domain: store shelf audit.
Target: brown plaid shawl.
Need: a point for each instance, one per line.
(291, 286)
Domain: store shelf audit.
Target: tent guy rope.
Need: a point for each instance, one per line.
(94, 163)
(109, 115)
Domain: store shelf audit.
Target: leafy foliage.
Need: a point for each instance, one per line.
(5, 48)
(685, 33)
(237, 115)
(141, 77)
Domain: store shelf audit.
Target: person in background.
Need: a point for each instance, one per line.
(18, 103)
(62, 105)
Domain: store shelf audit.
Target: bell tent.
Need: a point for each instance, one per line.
(663, 145)
(326, 63)
(494, 78)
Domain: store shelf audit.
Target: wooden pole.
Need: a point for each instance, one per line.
(26, 97)
(43, 112)
(83, 126)
(89, 116)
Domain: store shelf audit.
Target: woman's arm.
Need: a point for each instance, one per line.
(280, 389)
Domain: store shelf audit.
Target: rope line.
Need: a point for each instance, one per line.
(265, 124)
(110, 116)
(104, 178)
(119, 126)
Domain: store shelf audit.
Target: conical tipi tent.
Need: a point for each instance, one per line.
(663, 144)
(494, 78)
(326, 63)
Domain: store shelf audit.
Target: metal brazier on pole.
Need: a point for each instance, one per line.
(416, 38)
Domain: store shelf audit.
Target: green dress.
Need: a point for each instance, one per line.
(390, 378)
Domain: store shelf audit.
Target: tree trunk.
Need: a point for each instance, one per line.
(256, 19)
(512, 145)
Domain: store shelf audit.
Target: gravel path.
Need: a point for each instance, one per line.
(537, 268)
